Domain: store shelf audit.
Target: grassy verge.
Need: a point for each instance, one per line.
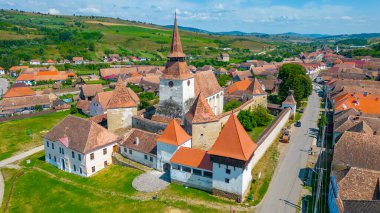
(266, 166)
(44, 188)
(23, 134)
(191, 193)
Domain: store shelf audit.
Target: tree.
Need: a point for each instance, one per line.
(144, 103)
(294, 78)
(73, 109)
(245, 118)
(261, 116)
(170, 108)
(231, 105)
(224, 79)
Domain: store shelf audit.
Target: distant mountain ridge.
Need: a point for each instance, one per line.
(288, 34)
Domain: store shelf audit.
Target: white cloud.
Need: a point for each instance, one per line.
(9, 3)
(53, 11)
(89, 10)
(347, 18)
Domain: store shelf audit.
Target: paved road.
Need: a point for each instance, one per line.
(21, 156)
(3, 86)
(285, 189)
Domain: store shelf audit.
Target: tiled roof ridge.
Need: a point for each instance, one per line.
(240, 144)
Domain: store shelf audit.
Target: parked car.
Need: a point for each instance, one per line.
(298, 124)
(302, 110)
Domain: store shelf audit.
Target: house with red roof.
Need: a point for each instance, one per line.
(171, 139)
(2, 71)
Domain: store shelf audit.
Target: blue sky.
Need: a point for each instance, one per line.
(266, 16)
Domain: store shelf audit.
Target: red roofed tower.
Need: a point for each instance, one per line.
(171, 139)
(231, 156)
(176, 82)
(121, 107)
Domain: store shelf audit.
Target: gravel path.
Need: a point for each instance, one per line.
(21, 156)
(3, 86)
(152, 181)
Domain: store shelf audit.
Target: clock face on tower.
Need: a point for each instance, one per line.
(170, 83)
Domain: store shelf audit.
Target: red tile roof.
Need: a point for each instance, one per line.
(174, 134)
(239, 86)
(369, 104)
(26, 77)
(121, 97)
(19, 92)
(233, 141)
(200, 111)
(191, 157)
(176, 47)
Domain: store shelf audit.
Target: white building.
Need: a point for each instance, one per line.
(99, 103)
(34, 62)
(192, 167)
(140, 146)
(79, 146)
(171, 139)
(291, 103)
(2, 71)
(231, 156)
(205, 82)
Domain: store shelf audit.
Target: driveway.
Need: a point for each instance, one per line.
(286, 186)
(3, 86)
(152, 181)
(21, 156)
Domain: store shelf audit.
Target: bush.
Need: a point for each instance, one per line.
(245, 118)
(135, 88)
(231, 105)
(261, 116)
(144, 103)
(147, 95)
(73, 109)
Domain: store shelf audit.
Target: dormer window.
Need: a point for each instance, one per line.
(136, 141)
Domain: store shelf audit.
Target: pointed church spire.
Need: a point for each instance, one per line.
(176, 48)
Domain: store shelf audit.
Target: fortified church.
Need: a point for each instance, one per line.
(199, 145)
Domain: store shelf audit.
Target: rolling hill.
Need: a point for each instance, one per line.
(29, 35)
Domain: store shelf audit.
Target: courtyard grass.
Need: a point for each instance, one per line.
(24, 134)
(44, 188)
(190, 193)
(256, 132)
(266, 166)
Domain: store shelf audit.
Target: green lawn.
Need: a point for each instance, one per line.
(256, 132)
(23, 134)
(44, 188)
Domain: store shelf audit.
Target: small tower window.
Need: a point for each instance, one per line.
(171, 84)
(188, 82)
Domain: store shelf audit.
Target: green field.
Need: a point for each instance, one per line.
(44, 188)
(40, 36)
(24, 134)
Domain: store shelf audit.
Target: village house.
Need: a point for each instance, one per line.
(245, 90)
(89, 91)
(2, 71)
(15, 70)
(99, 103)
(225, 57)
(30, 77)
(25, 104)
(78, 60)
(34, 62)
(140, 146)
(79, 146)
